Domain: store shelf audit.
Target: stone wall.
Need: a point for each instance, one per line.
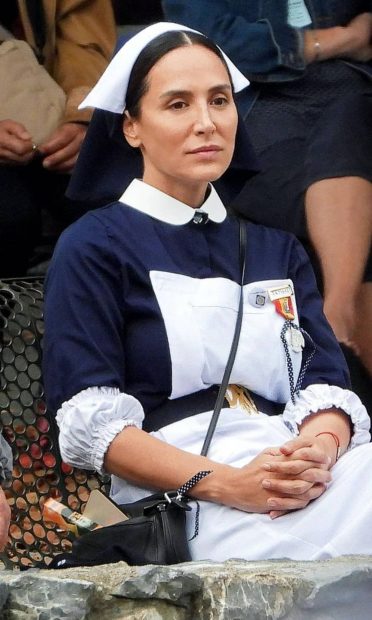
(234, 590)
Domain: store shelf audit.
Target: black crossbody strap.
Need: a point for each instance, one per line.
(234, 345)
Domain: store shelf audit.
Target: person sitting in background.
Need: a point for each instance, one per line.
(74, 42)
(6, 464)
(141, 301)
(309, 116)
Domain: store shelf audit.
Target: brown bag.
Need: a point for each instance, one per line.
(28, 94)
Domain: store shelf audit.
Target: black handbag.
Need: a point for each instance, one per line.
(155, 532)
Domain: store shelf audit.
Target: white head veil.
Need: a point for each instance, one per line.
(110, 91)
(99, 180)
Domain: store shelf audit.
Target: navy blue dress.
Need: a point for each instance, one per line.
(104, 326)
(140, 311)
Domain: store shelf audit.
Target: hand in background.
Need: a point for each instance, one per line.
(4, 520)
(352, 41)
(360, 31)
(61, 150)
(16, 146)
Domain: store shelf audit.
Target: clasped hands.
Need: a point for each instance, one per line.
(59, 153)
(282, 479)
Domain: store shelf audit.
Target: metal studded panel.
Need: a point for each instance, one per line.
(38, 471)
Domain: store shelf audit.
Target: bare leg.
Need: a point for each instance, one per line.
(339, 218)
(363, 332)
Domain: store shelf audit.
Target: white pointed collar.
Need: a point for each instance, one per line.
(161, 206)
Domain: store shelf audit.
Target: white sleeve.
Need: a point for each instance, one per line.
(90, 420)
(321, 396)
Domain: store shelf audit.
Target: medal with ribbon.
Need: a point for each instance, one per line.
(281, 297)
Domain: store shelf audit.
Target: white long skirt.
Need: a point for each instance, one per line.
(337, 523)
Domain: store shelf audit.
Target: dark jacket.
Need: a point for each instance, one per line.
(255, 33)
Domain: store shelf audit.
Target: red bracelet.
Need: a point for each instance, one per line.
(338, 447)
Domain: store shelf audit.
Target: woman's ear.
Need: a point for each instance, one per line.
(130, 130)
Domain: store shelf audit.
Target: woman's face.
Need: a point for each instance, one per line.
(187, 123)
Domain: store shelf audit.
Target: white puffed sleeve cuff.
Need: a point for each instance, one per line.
(321, 396)
(90, 420)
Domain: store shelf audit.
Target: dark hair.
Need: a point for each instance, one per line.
(160, 46)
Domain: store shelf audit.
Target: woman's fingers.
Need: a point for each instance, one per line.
(297, 486)
(274, 514)
(287, 487)
(295, 467)
(295, 503)
(306, 449)
(315, 475)
(272, 451)
(314, 453)
(295, 444)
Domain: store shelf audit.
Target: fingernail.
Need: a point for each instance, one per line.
(271, 502)
(266, 484)
(267, 466)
